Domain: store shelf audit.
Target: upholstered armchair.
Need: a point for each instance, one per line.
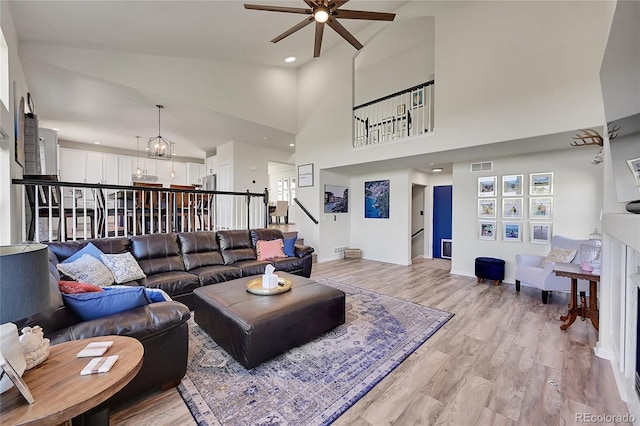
(532, 270)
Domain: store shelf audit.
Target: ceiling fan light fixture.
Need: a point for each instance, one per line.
(321, 15)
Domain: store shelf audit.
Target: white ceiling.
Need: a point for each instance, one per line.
(86, 108)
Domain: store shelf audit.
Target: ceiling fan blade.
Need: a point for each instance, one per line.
(311, 3)
(318, 43)
(278, 9)
(364, 14)
(336, 4)
(293, 29)
(337, 27)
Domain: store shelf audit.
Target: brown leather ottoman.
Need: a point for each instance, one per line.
(254, 328)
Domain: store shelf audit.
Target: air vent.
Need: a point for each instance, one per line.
(482, 167)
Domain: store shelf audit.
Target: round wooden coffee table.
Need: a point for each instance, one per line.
(60, 392)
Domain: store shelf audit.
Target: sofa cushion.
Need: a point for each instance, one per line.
(174, 283)
(89, 249)
(88, 270)
(235, 246)
(265, 234)
(65, 249)
(199, 249)
(287, 264)
(92, 305)
(157, 253)
(123, 266)
(269, 249)
(216, 274)
(251, 267)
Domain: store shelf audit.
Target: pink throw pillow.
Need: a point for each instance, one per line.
(270, 249)
(74, 287)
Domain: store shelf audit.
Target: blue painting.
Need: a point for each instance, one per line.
(376, 199)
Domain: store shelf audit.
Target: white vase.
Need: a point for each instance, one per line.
(11, 351)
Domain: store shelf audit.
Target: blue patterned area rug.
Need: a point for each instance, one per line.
(317, 382)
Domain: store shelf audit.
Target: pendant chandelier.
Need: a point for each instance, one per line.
(159, 147)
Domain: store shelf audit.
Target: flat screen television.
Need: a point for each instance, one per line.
(336, 199)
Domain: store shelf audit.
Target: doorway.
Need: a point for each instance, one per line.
(442, 220)
(417, 220)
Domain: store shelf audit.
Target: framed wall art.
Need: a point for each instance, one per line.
(487, 208)
(376, 199)
(487, 229)
(487, 186)
(305, 175)
(540, 232)
(541, 183)
(512, 185)
(402, 108)
(634, 165)
(540, 208)
(416, 98)
(336, 199)
(512, 231)
(512, 208)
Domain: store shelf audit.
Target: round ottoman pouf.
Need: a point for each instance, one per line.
(489, 268)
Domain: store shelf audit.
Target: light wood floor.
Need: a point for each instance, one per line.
(501, 360)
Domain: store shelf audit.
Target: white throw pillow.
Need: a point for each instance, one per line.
(123, 267)
(559, 255)
(88, 270)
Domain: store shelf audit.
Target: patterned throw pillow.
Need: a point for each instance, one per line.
(74, 287)
(123, 267)
(269, 249)
(559, 255)
(87, 269)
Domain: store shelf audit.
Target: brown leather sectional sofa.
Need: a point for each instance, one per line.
(177, 264)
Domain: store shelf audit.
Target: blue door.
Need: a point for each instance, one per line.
(442, 216)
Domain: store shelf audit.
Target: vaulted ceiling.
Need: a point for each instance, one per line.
(96, 70)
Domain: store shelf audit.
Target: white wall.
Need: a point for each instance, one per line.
(384, 67)
(577, 201)
(505, 71)
(10, 196)
(335, 226)
(385, 240)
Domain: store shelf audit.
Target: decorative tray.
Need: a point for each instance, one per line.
(255, 287)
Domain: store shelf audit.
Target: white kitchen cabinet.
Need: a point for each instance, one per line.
(73, 165)
(211, 165)
(88, 167)
(101, 168)
(195, 172)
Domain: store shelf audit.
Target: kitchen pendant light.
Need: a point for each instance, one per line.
(138, 169)
(159, 147)
(172, 173)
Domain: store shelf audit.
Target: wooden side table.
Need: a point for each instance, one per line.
(60, 392)
(575, 273)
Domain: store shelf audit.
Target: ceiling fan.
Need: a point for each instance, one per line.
(324, 11)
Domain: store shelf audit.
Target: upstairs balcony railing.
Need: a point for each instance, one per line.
(61, 211)
(396, 116)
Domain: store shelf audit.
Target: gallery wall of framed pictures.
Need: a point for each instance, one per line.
(515, 209)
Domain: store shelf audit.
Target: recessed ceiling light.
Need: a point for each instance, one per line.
(289, 59)
(97, 143)
(292, 144)
(54, 129)
(437, 169)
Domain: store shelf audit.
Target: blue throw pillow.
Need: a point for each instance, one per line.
(88, 306)
(290, 246)
(89, 249)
